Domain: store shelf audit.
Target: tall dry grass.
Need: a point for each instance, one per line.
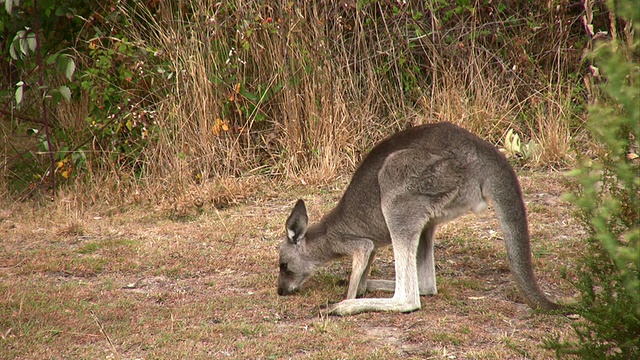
(342, 74)
(324, 112)
(304, 89)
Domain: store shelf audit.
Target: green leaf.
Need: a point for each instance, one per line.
(65, 92)
(52, 59)
(78, 155)
(8, 5)
(61, 63)
(19, 92)
(12, 52)
(70, 69)
(62, 153)
(277, 87)
(61, 11)
(24, 46)
(249, 95)
(55, 96)
(31, 42)
(16, 44)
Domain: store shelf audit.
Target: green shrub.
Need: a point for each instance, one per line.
(608, 199)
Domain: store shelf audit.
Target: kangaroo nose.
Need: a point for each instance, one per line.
(283, 290)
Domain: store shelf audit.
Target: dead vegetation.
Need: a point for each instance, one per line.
(201, 91)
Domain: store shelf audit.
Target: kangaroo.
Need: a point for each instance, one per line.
(404, 188)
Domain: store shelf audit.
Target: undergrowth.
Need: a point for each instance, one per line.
(607, 199)
(168, 96)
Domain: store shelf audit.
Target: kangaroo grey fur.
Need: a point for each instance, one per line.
(404, 188)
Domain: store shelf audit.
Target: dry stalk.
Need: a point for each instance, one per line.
(104, 333)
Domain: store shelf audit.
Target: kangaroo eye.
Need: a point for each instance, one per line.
(283, 267)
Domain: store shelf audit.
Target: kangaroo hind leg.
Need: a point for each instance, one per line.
(426, 264)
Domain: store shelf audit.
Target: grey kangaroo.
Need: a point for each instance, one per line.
(404, 188)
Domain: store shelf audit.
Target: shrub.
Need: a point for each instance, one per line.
(607, 199)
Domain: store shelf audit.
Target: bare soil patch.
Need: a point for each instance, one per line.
(142, 283)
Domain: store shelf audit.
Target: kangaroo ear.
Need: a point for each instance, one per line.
(297, 222)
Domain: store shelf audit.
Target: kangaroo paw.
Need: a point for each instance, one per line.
(356, 306)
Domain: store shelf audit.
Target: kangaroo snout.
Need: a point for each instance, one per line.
(289, 283)
(286, 285)
(284, 291)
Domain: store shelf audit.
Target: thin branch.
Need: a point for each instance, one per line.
(21, 117)
(45, 117)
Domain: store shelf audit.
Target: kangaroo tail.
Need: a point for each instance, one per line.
(507, 196)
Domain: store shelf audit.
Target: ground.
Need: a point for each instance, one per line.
(138, 282)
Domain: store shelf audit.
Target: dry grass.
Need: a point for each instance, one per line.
(298, 90)
(146, 282)
(346, 79)
(307, 88)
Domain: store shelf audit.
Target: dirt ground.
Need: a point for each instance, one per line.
(142, 282)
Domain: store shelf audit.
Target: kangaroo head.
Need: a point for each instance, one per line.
(296, 266)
